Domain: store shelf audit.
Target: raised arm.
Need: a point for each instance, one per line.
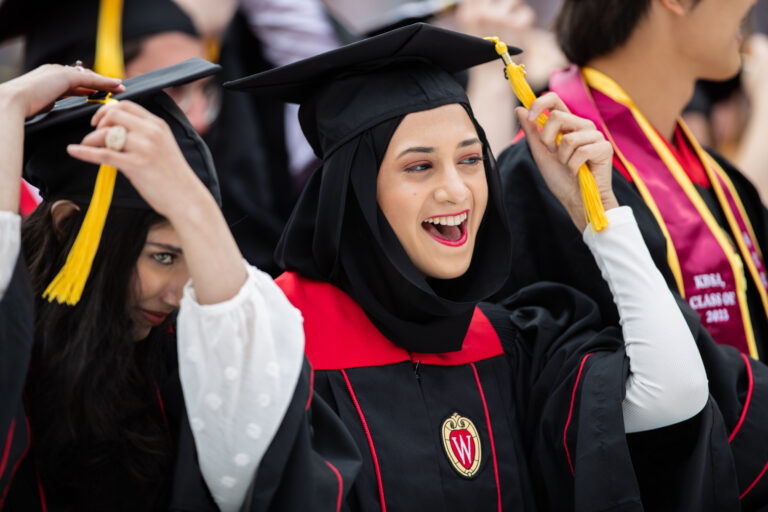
(19, 99)
(240, 341)
(667, 382)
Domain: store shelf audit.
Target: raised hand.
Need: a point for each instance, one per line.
(37, 90)
(26, 96)
(559, 164)
(150, 158)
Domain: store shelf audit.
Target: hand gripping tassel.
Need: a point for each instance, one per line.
(593, 206)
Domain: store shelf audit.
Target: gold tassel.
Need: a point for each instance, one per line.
(67, 287)
(593, 206)
(109, 40)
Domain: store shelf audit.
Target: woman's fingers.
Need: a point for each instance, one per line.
(562, 123)
(120, 115)
(127, 106)
(573, 142)
(595, 152)
(531, 130)
(100, 155)
(549, 101)
(44, 85)
(86, 80)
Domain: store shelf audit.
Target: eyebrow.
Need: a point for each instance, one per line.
(469, 142)
(169, 248)
(416, 150)
(419, 149)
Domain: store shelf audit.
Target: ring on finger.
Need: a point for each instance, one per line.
(115, 139)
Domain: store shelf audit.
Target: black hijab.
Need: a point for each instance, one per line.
(337, 232)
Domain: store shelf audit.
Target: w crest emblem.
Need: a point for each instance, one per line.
(462, 445)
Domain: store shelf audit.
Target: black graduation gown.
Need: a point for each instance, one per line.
(16, 337)
(548, 247)
(112, 485)
(540, 383)
(309, 435)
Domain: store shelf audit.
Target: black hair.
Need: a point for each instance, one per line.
(586, 29)
(99, 434)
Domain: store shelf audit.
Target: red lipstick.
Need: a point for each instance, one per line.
(452, 235)
(154, 318)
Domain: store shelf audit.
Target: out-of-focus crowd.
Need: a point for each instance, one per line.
(251, 35)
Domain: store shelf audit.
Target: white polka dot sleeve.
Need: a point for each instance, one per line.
(10, 243)
(239, 362)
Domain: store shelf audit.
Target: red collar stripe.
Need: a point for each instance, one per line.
(338, 334)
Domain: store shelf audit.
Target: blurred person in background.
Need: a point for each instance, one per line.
(261, 155)
(155, 34)
(636, 67)
(732, 116)
(514, 22)
(752, 152)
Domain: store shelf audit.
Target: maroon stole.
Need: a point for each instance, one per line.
(708, 262)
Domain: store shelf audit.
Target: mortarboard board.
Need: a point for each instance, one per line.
(59, 176)
(63, 32)
(345, 91)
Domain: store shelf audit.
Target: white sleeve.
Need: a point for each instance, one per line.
(239, 363)
(667, 382)
(10, 244)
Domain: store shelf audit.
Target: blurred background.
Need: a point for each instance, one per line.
(260, 153)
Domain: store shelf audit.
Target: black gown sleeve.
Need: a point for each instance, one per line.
(739, 386)
(16, 337)
(311, 463)
(579, 455)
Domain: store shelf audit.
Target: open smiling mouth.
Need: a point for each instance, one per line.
(450, 230)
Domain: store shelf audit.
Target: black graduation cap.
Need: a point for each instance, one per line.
(59, 176)
(346, 91)
(65, 31)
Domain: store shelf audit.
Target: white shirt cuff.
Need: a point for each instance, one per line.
(10, 245)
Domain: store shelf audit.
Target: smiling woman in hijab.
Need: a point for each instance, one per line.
(452, 403)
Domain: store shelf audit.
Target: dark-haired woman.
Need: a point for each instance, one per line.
(456, 404)
(104, 414)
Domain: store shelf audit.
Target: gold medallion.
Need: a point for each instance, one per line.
(462, 445)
